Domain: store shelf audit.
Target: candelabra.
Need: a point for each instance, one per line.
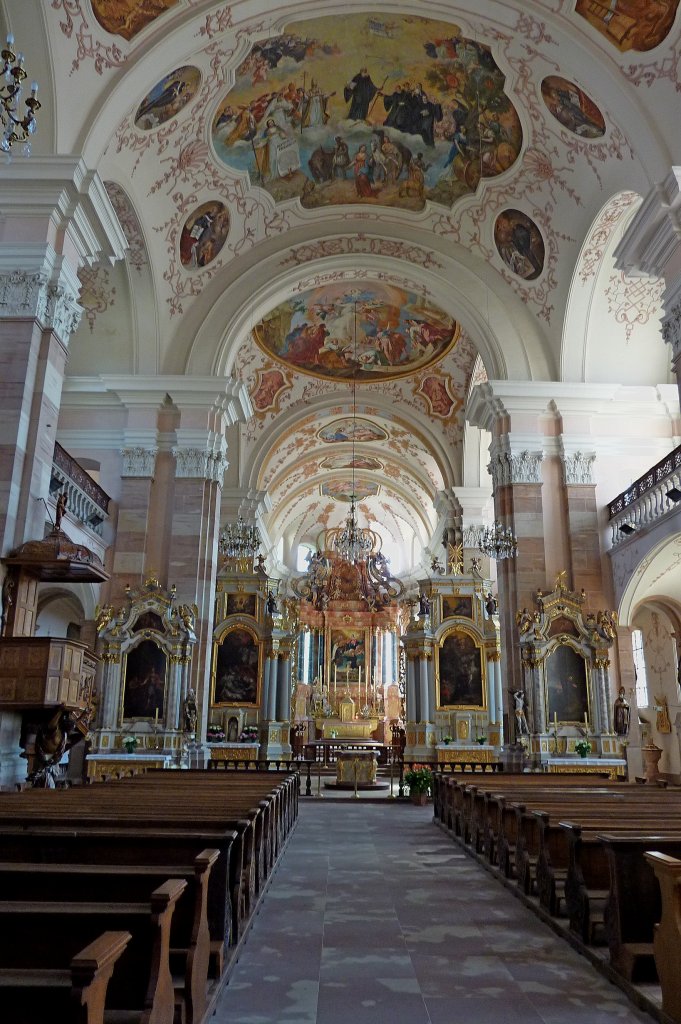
(16, 128)
(498, 542)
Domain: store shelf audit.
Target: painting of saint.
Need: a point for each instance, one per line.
(572, 107)
(357, 430)
(203, 235)
(168, 97)
(241, 604)
(148, 620)
(435, 390)
(269, 387)
(519, 243)
(145, 681)
(376, 333)
(346, 653)
(460, 672)
(128, 17)
(348, 462)
(457, 604)
(342, 490)
(566, 685)
(236, 665)
(630, 24)
(337, 110)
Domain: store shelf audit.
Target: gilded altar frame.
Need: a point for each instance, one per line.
(461, 686)
(236, 668)
(342, 637)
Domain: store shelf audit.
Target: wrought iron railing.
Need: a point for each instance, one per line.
(649, 498)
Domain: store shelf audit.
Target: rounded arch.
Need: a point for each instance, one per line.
(653, 576)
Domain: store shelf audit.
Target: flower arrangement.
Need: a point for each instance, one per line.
(215, 734)
(583, 747)
(419, 778)
(249, 734)
(447, 739)
(481, 739)
(130, 744)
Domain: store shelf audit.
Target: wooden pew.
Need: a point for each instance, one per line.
(73, 996)
(31, 931)
(77, 883)
(667, 938)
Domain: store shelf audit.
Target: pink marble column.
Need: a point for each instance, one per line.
(583, 535)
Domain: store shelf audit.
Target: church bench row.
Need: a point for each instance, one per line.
(582, 842)
(80, 887)
(72, 996)
(48, 934)
(160, 822)
(667, 942)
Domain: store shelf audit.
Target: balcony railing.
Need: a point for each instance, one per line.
(86, 500)
(652, 496)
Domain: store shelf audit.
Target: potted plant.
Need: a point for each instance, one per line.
(130, 744)
(447, 740)
(419, 778)
(215, 734)
(249, 734)
(583, 747)
(481, 740)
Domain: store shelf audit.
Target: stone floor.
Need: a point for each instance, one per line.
(374, 916)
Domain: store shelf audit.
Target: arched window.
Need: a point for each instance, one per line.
(642, 698)
(304, 551)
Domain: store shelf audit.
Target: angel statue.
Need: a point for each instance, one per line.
(524, 620)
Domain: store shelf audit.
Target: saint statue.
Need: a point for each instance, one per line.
(62, 502)
(521, 726)
(190, 712)
(622, 714)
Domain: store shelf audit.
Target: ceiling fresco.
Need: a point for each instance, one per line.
(572, 107)
(630, 24)
(127, 18)
(349, 490)
(168, 97)
(366, 109)
(519, 243)
(374, 333)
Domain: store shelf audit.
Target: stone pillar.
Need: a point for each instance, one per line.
(423, 689)
(412, 701)
(583, 534)
(137, 478)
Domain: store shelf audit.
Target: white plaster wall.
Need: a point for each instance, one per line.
(660, 660)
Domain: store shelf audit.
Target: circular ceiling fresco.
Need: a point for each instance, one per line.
(167, 98)
(379, 332)
(571, 106)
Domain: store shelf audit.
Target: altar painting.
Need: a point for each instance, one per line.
(145, 675)
(236, 668)
(346, 654)
(457, 604)
(241, 604)
(378, 333)
(460, 673)
(566, 681)
(368, 109)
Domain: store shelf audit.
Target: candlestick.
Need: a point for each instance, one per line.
(335, 674)
(156, 717)
(360, 675)
(586, 719)
(555, 720)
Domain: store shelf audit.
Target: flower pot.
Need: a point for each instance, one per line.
(582, 753)
(420, 799)
(130, 748)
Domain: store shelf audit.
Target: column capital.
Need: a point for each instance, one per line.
(511, 463)
(29, 293)
(139, 461)
(578, 467)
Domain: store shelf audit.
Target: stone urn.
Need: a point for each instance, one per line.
(651, 759)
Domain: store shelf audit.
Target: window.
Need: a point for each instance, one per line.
(640, 666)
(304, 551)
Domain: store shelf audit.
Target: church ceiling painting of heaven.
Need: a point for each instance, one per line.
(368, 109)
(378, 333)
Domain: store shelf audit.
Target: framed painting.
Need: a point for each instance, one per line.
(236, 668)
(241, 604)
(346, 653)
(567, 684)
(145, 676)
(457, 604)
(460, 672)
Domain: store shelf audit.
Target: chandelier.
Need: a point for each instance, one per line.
(498, 542)
(352, 543)
(16, 128)
(239, 540)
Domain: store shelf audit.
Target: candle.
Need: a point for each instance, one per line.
(335, 674)
(555, 720)
(586, 719)
(156, 717)
(360, 677)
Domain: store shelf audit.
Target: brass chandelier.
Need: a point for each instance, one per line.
(15, 126)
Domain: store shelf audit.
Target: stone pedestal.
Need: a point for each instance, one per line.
(421, 742)
(275, 744)
(651, 760)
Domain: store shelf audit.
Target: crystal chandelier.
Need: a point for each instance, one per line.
(352, 542)
(239, 540)
(498, 542)
(16, 128)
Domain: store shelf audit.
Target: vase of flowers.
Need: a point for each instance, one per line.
(583, 748)
(249, 734)
(481, 740)
(447, 740)
(419, 778)
(215, 734)
(130, 744)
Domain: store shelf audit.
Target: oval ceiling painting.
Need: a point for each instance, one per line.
(347, 462)
(519, 243)
(351, 430)
(572, 107)
(374, 333)
(630, 24)
(371, 108)
(342, 490)
(126, 17)
(168, 97)
(204, 234)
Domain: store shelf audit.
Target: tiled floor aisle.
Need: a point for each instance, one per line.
(375, 917)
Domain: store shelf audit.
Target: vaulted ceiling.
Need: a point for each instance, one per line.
(354, 208)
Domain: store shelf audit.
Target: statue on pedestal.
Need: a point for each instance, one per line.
(521, 727)
(190, 712)
(621, 714)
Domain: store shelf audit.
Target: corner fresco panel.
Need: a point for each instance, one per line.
(370, 109)
(630, 24)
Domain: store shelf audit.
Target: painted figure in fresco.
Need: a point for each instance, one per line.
(168, 99)
(281, 156)
(362, 172)
(341, 158)
(622, 714)
(359, 92)
(314, 112)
